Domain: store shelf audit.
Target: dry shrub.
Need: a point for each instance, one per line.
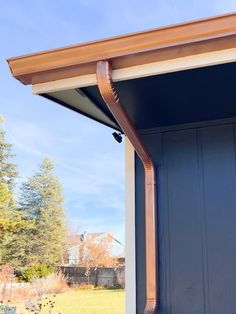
(88, 287)
(10, 290)
(21, 293)
(6, 280)
(85, 287)
(17, 292)
(54, 283)
(6, 274)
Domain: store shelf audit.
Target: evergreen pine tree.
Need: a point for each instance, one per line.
(42, 201)
(7, 169)
(8, 175)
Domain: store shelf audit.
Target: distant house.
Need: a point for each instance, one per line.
(77, 246)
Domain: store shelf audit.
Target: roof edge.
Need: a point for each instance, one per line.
(120, 50)
(120, 36)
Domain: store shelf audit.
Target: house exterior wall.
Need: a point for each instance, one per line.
(196, 182)
(73, 254)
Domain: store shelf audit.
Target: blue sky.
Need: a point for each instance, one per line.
(88, 162)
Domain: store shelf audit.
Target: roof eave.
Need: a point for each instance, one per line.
(124, 51)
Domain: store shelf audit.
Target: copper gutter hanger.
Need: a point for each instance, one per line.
(111, 98)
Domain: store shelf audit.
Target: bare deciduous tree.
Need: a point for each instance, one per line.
(97, 252)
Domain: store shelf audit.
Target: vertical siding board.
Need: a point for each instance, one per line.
(166, 221)
(234, 138)
(184, 224)
(204, 240)
(220, 199)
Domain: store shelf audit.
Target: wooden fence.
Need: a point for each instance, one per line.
(107, 277)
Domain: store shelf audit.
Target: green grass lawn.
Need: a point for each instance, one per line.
(85, 302)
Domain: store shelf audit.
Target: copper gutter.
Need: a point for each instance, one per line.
(111, 98)
(160, 44)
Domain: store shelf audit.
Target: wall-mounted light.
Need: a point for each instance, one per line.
(117, 136)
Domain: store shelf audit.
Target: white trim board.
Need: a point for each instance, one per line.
(130, 256)
(144, 70)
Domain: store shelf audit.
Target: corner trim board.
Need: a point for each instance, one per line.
(130, 254)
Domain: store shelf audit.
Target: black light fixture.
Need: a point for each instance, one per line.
(117, 136)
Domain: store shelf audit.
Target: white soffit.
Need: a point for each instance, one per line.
(76, 100)
(144, 70)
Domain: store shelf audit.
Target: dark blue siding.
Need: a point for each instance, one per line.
(197, 220)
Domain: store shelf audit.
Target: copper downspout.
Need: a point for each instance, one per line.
(111, 98)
